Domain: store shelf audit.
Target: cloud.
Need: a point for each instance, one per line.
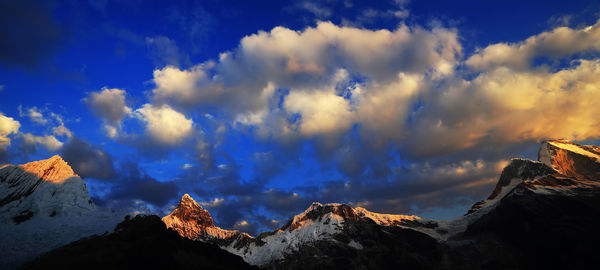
(110, 105)
(298, 66)
(214, 203)
(134, 184)
(34, 114)
(558, 43)
(164, 51)
(185, 88)
(164, 124)
(31, 24)
(321, 112)
(88, 160)
(314, 8)
(8, 126)
(61, 130)
(398, 119)
(30, 141)
(410, 95)
(508, 106)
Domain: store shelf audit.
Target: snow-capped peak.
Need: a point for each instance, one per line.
(46, 187)
(316, 212)
(43, 205)
(54, 169)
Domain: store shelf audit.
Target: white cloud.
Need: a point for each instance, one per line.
(110, 105)
(49, 142)
(8, 126)
(165, 125)
(398, 87)
(61, 130)
(241, 225)
(185, 87)
(214, 203)
(507, 106)
(245, 81)
(321, 112)
(555, 44)
(34, 114)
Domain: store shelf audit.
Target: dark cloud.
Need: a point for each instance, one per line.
(134, 184)
(28, 34)
(380, 185)
(88, 160)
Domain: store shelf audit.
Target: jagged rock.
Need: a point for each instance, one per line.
(190, 220)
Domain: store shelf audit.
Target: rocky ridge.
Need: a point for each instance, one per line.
(566, 175)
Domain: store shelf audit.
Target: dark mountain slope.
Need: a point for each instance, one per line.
(143, 242)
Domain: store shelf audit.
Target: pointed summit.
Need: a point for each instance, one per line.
(54, 169)
(189, 210)
(190, 220)
(45, 187)
(188, 202)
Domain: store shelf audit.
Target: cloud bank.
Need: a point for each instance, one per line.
(404, 118)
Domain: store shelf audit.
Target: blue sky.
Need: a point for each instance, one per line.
(259, 108)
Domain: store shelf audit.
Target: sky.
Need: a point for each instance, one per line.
(258, 108)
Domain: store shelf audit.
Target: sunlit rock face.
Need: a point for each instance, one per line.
(43, 205)
(190, 220)
(569, 159)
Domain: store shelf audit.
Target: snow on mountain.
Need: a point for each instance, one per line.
(46, 187)
(317, 222)
(563, 168)
(43, 205)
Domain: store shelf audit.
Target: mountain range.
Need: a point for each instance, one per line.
(540, 214)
